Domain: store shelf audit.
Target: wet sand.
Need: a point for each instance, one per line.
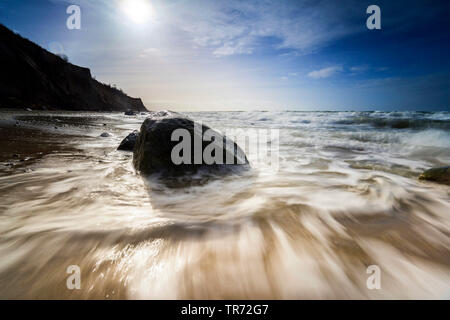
(75, 200)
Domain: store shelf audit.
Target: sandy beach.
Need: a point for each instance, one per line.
(345, 196)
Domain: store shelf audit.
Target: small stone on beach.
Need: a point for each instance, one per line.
(438, 175)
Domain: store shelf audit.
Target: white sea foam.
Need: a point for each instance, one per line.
(346, 195)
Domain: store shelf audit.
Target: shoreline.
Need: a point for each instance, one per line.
(308, 231)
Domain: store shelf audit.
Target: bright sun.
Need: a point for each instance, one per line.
(138, 11)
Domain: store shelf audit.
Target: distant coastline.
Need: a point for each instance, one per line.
(33, 78)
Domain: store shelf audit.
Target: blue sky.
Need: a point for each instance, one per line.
(246, 55)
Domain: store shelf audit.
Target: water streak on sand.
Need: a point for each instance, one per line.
(346, 196)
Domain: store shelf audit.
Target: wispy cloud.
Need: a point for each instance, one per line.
(149, 52)
(236, 27)
(325, 72)
(359, 69)
(233, 47)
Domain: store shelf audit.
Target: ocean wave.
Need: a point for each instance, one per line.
(397, 123)
(371, 119)
(344, 196)
(429, 138)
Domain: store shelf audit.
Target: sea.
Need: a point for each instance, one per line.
(342, 214)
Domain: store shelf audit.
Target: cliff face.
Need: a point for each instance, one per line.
(31, 77)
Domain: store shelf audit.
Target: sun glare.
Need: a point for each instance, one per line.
(138, 11)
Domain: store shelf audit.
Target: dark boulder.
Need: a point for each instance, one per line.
(154, 147)
(103, 135)
(439, 175)
(130, 113)
(128, 143)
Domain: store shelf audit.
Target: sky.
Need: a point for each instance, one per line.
(253, 55)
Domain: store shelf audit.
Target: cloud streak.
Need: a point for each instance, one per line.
(236, 27)
(325, 72)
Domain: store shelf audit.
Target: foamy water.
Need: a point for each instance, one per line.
(345, 196)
